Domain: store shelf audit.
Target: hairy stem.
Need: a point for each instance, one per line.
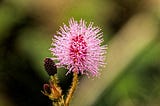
(72, 89)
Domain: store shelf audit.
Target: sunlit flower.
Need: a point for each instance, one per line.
(78, 47)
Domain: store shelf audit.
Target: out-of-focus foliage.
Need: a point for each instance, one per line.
(138, 85)
(131, 30)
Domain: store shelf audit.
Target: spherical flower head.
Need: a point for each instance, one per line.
(78, 47)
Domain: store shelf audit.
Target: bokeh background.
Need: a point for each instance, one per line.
(131, 30)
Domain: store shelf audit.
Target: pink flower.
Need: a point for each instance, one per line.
(78, 47)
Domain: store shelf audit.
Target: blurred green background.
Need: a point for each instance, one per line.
(131, 30)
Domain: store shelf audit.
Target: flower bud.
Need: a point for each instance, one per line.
(50, 66)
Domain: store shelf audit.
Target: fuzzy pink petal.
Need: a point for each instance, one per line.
(79, 47)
